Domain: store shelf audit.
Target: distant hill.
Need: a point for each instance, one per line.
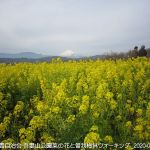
(33, 57)
(46, 59)
(28, 55)
(34, 60)
(97, 56)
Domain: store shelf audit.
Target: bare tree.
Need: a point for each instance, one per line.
(142, 51)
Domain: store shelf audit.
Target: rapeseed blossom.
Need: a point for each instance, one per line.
(108, 139)
(92, 137)
(128, 124)
(82, 101)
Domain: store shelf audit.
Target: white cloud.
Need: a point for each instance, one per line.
(67, 53)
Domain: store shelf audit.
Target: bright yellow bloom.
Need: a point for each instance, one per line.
(139, 112)
(128, 124)
(55, 110)
(18, 108)
(92, 137)
(69, 100)
(138, 128)
(71, 119)
(108, 139)
(40, 106)
(129, 148)
(94, 128)
(109, 95)
(85, 105)
(85, 99)
(96, 114)
(3, 129)
(113, 104)
(139, 121)
(22, 131)
(83, 109)
(37, 122)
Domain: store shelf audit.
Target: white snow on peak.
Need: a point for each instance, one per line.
(68, 53)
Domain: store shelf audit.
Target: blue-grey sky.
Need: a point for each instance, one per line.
(83, 27)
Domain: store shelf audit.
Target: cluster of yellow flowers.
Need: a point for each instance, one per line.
(85, 105)
(26, 135)
(37, 122)
(4, 126)
(18, 108)
(76, 101)
(92, 136)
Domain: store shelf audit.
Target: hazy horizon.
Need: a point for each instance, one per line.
(66, 27)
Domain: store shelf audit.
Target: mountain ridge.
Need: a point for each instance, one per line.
(30, 55)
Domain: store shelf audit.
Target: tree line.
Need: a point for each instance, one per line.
(134, 53)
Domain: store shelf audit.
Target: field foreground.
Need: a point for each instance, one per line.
(75, 102)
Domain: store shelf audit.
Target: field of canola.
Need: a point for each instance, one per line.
(76, 102)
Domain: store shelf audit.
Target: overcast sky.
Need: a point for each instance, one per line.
(83, 27)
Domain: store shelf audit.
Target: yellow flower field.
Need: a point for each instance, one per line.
(88, 101)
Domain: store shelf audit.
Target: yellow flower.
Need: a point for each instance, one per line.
(109, 95)
(85, 99)
(26, 135)
(129, 101)
(71, 119)
(36, 122)
(18, 108)
(118, 118)
(85, 104)
(113, 104)
(128, 106)
(47, 138)
(9, 140)
(139, 121)
(92, 137)
(139, 112)
(138, 128)
(83, 108)
(108, 139)
(6, 120)
(94, 128)
(21, 132)
(131, 110)
(96, 114)
(3, 129)
(55, 110)
(129, 148)
(40, 106)
(128, 124)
